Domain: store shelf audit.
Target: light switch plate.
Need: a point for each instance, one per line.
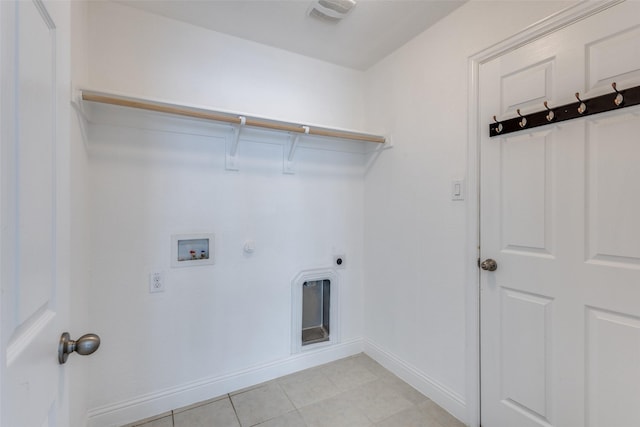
(457, 189)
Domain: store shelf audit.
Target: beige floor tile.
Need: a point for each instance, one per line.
(408, 392)
(412, 417)
(374, 367)
(160, 422)
(377, 400)
(148, 421)
(307, 387)
(439, 414)
(334, 412)
(347, 373)
(204, 402)
(261, 404)
(219, 413)
(292, 419)
(352, 392)
(251, 387)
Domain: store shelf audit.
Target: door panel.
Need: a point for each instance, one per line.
(35, 144)
(527, 225)
(560, 318)
(526, 87)
(612, 216)
(613, 377)
(615, 56)
(34, 133)
(525, 321)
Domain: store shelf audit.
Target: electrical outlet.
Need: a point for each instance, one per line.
(156, 282)
(339, 261)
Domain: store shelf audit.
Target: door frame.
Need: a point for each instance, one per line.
(475, 126)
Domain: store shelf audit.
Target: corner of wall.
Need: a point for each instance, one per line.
(448, 399)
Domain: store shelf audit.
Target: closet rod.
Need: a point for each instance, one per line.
(225, 117)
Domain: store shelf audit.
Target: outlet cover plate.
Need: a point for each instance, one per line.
(156, 282)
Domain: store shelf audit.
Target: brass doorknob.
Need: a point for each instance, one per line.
(489, 265)
(84, 345)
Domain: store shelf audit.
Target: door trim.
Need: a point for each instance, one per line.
(476, 125)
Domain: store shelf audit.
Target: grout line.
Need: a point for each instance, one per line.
(234, 409)
(301, 417)
(293, 405)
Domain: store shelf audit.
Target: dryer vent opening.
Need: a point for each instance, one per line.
(316, 311)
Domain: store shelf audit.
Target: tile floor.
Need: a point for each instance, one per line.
(350, 392)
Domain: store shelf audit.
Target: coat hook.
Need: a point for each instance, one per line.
(498, 127)
(522, 122)
(550, 115)
(582, 107)
(619, 98)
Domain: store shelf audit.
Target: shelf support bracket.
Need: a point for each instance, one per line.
(78, 106)
(231, 159)
(288, 165)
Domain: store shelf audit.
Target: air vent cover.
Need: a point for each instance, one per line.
(331, 10)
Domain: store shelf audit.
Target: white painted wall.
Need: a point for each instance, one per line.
(215, 320)
(80, 271)
(142, 54)
(415, 235)
(216, 328)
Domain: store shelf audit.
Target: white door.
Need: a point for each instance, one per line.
(34, 215)
(560, 214)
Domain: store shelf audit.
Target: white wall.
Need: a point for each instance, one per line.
(415, 235)
(80, 220)
(226, 326)
(141, 54)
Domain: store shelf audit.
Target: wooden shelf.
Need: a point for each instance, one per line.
(224, 117)
(117, 110)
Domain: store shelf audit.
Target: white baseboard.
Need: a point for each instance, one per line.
(158, 402)
(453, 402)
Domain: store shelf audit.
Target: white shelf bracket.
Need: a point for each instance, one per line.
(288, 165)
(231, 160)
(78, 106)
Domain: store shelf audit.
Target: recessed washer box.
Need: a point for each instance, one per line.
(188, 250)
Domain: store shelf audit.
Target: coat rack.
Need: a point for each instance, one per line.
(583, 107)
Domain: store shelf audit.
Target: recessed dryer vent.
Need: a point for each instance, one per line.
(314, 309)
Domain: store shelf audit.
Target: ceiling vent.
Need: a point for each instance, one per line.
(331, 10)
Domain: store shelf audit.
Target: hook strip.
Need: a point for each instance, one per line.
(599, 104)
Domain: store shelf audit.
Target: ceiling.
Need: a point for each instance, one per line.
(371, 31)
